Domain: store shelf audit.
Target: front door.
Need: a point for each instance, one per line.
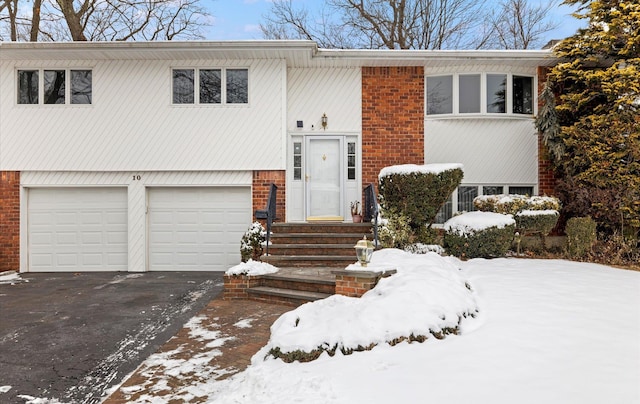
(324, 188)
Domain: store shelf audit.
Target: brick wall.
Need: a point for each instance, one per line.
(546, 177)
(261, 183)
(9, 220)
(392, 118)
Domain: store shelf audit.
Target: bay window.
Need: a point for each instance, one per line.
(479, 93)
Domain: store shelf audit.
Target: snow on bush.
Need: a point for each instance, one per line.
(427, 296)
(473, 222)
(479, 234)
(252, 268)
(512, 204)
(252, 242)
(422, 169)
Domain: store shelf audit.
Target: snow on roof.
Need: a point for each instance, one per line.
(472, 222)
(414, 168)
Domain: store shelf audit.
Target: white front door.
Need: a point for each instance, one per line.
(324, 185)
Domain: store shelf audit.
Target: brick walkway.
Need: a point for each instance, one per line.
(217, 343)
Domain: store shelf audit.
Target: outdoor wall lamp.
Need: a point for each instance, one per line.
(324, 121)
(364, 251)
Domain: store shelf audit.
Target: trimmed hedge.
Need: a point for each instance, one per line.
(532, 221)
(472, 242)
(417, 195)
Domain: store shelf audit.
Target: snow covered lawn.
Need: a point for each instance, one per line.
(547, 331)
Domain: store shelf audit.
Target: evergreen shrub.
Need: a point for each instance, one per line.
(251, 244)
(464, 238)
(581, 236)
(416, 192)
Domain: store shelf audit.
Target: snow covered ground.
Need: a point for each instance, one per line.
(548, 331)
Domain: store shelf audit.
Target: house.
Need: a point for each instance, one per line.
(143, 156)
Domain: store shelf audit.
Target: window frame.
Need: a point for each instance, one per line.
(223, 87)
(68, 89)
(509, 102)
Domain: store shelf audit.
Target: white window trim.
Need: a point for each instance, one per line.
(483, 96)
(67, 87)
(223, 87)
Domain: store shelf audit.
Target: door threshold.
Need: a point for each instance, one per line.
(325, 219)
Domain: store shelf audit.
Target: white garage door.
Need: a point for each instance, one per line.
(77, 229)
(197, 229)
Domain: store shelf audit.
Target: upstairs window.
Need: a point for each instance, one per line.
(59, 86)
(204, 86)
(480, 93)
(439, 95)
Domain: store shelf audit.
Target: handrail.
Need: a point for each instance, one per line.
(269, 213)
(370, 210)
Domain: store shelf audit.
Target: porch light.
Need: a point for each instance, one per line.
(364, 250)
(324, 121)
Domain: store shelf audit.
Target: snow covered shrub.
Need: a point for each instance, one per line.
(581, 235)
(479, 234)
(536, 221)
(534, 215)
(251, 242)
(506, 204)
(417, 192)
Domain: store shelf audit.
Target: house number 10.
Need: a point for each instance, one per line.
(137, 178)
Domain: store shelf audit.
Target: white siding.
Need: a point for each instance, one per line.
(132, 124)
(313, 92)
(137, 190)
(493, 151)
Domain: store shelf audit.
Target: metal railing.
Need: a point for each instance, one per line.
(269, 213)
(370, 210)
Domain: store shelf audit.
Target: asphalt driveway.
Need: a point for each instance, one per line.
(72, 336)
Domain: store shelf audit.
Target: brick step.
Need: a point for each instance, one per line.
(284, 296)
(300, 283)
(316, 228)
(297, 261)
(317, 238)
(312, 249)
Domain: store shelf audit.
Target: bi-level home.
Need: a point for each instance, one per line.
(135, 156)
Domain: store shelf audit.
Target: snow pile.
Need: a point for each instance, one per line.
(473, 222)
(10, 278)
(529, 212)
(414, 168)
(427, 296)
(252, 268)
(548, 331)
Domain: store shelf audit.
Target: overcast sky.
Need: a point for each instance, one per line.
(240, 19)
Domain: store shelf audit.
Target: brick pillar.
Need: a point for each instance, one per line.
(392, 118)
(261, 183)
(9, 220)
(546, 175)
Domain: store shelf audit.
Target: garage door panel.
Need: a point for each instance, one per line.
(77, 229)
(197, 228)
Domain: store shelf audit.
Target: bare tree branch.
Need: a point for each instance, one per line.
(103, 20)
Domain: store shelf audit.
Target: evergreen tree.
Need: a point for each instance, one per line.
(592, 124)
